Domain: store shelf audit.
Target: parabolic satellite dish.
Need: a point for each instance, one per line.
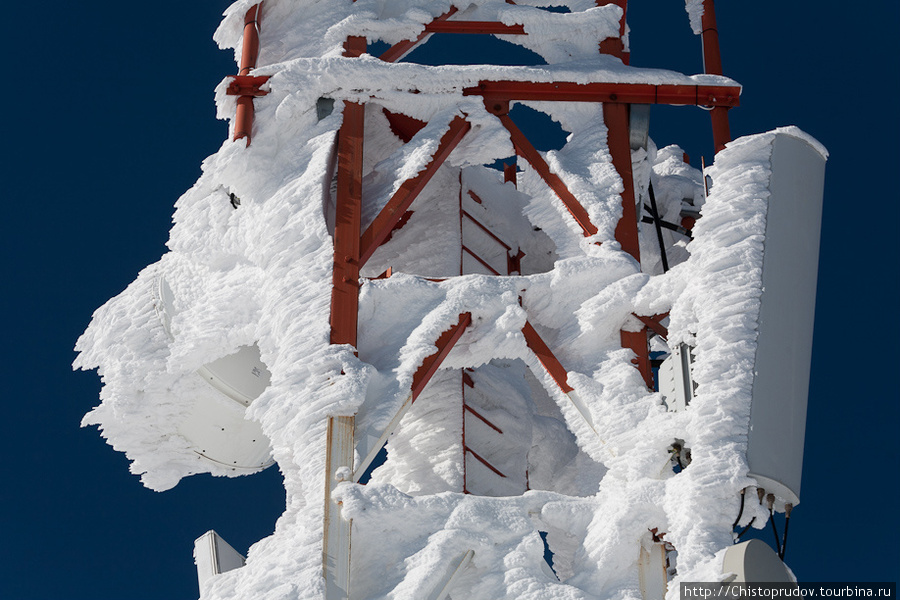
(216, 425)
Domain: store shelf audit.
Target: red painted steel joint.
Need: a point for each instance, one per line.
(247, 85)
(615, 46)
(243, 85)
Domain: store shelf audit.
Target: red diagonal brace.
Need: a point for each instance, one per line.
(546, 357)
(529, 153)
(401, 49)
(432, 363)
(481, 260)
(484, 462)
(654, 325)
(483, 228)
(482, 418)
(378, 231)
(403, 126)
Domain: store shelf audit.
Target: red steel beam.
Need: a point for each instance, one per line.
(250, 44)
(432, 363)
(442, 25)
(403, 126)
(546, 357)
(509, 174)
(484, 462)
(712, 63)
(482, 418)
(247, 85)
(243, 118)
(637, 342)
(720, 126)
(348, 216)
(528, 152)
(481, 260)
(482, 27)
(401, 49)
(615, 116)
(616, 46)
(348, 213)
(467, 379)
(514, 261)
(378, 231)
(712, 58)
(654, 325)
(625, 93)
(486, 230)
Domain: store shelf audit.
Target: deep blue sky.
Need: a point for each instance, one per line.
(109, 112)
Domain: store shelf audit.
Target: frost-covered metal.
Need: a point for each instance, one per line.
(214, 556)
(784, 345)
(495, 326)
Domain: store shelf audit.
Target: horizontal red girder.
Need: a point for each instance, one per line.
(627, 93)
(483, 27)
(381, 227)
(432, 363)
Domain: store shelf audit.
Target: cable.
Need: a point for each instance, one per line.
(770, 501)
(787, 519)
(740, 510)
(659, 236)
(744, 530)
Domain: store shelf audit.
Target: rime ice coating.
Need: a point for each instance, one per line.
(262, 274)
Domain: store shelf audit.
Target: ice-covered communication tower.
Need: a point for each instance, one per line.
(485, 371)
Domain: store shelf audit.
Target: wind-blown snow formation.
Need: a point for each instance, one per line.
(597, 483)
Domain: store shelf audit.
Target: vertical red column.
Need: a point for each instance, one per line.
(615, 116)
(344, 317)
(616, 46)
(243, 118)
(712, 64)
(348, 211)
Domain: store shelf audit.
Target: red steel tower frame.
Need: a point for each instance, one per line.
(353, 247)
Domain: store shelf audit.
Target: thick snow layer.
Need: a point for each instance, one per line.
(694, 10)
(591, 469)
